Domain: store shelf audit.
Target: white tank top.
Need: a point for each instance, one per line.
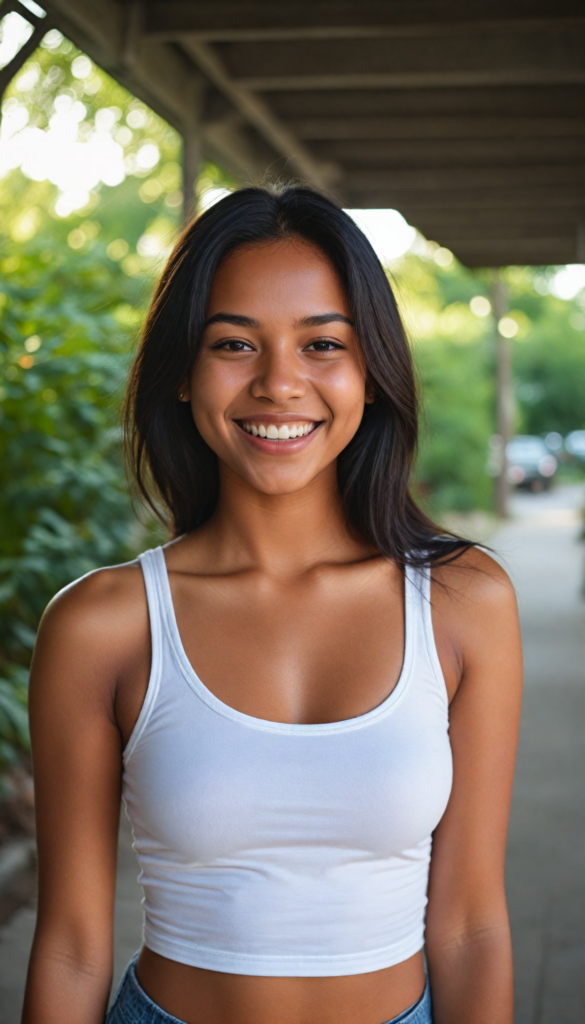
(285, 850)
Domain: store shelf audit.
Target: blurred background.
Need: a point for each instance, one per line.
(91, 200)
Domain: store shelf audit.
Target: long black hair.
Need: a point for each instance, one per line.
(173, 467)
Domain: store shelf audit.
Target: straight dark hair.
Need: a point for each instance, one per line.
(173, 467)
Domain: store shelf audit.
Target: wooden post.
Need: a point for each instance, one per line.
(505, 407)
(191, 170)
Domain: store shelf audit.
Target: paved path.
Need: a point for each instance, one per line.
(546, 850)
(546, 857)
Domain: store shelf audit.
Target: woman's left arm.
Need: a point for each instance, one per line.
(468, 945)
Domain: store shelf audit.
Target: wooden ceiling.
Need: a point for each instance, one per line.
(468, 116)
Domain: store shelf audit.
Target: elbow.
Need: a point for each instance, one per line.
(487, 939)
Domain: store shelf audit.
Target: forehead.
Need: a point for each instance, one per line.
(285, 277)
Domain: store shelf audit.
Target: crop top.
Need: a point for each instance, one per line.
(277, 849)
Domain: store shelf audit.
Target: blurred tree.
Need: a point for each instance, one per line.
(89, 206)
(453, 355)
(549, 353)
(65, 333)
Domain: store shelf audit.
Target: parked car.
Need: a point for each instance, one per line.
(530, 463)
(575, 444)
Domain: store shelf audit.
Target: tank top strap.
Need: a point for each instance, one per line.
(418, 606)
(151, 572)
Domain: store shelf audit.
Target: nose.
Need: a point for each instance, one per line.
(279, 377)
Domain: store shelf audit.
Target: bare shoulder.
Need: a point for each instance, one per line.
(100, 621)
(474, 580)
(104, 598)
(475, 617)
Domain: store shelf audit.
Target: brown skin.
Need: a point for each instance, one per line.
(285, 616)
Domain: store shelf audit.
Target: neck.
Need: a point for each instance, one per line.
(282, 534)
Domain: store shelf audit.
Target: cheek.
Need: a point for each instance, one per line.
(344, 392)
(213, 387)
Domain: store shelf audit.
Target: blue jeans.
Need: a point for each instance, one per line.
(133, 1006)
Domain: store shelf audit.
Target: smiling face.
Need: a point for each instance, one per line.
(278, 387)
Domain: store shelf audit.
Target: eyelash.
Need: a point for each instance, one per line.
(240, 341)
(324, 341)
(231, 341)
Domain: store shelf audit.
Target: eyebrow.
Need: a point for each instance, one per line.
(236, 319)
(318, 320)
(324, 318)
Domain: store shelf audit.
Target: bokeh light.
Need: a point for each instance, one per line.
(568, 282)
(390, 235)
(480, 306)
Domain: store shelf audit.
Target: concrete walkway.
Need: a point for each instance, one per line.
(546, 856)
(546, 849)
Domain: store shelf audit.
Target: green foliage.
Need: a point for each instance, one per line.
(64, 507)
(74, 286)
(14, 736)
(454, 350)
(453, 355)
(549, 368)
(70, 306)
(458, 396)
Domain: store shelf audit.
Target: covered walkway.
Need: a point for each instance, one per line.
(468, 118)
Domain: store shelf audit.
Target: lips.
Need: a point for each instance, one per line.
(272, 438)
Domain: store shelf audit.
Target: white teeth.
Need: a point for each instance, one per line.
(285, 432)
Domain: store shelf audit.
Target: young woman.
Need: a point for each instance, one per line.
(310, 696)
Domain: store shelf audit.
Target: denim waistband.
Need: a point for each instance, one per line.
(133, 1006)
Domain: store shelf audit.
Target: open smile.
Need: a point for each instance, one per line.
(273, 437)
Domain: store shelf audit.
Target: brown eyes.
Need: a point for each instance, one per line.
(234, 345)
(239, 345)
(323, 345)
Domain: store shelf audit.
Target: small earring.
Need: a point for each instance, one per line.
(181, 393)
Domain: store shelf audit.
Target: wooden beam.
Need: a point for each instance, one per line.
(161, 29)
(540, 252)
(159, 74)
(560, 101)
(456, 61)
(472, 78)
(329, 18)
(439, 127)
(260, 116)
(456, 232)
(422, 153)
(497, 221)
(383, 194)
(550, 177)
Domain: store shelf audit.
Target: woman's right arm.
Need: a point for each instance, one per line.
(89, 640)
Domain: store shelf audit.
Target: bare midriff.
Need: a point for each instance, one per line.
(198, 996)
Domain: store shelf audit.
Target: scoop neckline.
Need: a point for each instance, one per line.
(265, 724)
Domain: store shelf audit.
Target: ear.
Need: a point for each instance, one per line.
(370, 393)
(184, 392)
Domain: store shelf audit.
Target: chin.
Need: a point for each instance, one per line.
(277, 487)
